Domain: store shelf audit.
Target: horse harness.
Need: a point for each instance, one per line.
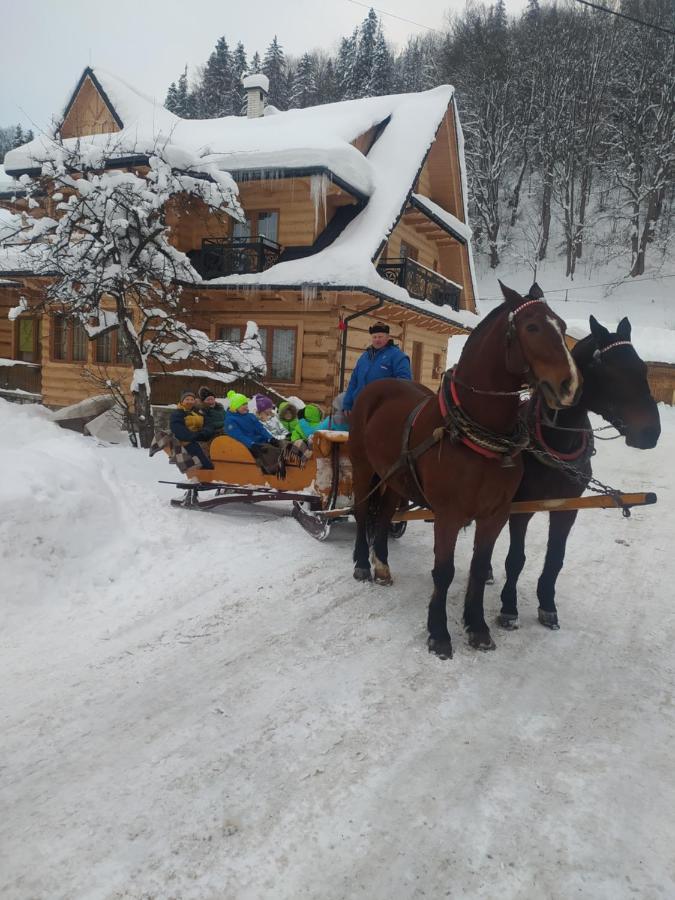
(533, 411)
(458, 427)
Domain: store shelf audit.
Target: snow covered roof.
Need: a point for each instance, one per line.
(315, 141)
(9, 185)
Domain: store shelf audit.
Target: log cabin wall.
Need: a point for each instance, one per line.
(427, 250)
(661, 377)
(300, 220)
(9, 297)
(88, 114)
(64, 382)
(315, 324)
(441, 181)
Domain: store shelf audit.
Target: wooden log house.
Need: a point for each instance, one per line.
(355, 211)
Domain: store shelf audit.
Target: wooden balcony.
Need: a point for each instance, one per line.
(234, 256)
(420, 282)
(21, 377)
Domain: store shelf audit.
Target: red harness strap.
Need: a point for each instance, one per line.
(483, 451)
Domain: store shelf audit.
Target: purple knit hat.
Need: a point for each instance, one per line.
(263, 403)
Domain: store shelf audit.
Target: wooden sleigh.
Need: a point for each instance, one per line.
(321, 490)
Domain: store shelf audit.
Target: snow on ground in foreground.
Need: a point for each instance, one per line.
(206, 705)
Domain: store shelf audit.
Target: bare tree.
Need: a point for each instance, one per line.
(642, 134)
(106, 244)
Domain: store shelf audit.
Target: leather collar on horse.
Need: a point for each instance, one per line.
(535, 416)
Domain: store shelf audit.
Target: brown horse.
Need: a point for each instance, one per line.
(616, 388)
(461, 476)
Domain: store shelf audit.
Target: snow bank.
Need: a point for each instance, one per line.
(64, 514)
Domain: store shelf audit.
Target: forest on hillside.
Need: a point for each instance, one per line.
(568, 116)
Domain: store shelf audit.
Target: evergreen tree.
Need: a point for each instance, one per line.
(239, 68)
(28, 135)
(6, 141)
(183, 96)
(345, 67)
(499, 15)
(304, 90)
(255, 68)
(383, 65)
(411, 67)
(532, 11)
(327, 83)
(365, 54)
(171, 102)
(216, 91)
(274, 66)
(19, 138)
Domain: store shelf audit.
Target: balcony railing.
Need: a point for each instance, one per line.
(234, 256)
(420, 282)
(21, 377)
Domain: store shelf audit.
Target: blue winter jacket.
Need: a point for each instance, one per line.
(246, 428)
(388, 362)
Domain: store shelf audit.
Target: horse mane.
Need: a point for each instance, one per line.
(583, 348)
(491, 316)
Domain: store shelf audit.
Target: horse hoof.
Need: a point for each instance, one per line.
(440, 648)
(385, 580)
(508, 621)
(548, 619)
(362, 574)
(481, 640)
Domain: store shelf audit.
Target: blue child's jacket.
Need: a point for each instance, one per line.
(246, 428)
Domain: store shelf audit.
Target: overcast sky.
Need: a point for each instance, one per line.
(47, 43)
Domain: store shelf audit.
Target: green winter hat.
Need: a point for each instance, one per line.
(312, 414)
(236, 400)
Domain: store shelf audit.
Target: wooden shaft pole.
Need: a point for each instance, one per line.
(600, 501)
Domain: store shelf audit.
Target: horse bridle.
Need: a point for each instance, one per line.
(597, 354)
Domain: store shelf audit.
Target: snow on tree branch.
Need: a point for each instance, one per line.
(104, 241)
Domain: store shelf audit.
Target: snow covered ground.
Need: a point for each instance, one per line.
(208, 706)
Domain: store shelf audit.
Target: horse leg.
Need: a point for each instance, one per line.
(445, 538)
(487, 532)
(559, 526)
(362, 480)
(515, 560)
(380, 553)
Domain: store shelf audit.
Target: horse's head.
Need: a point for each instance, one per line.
(536, 347)
(615, 384)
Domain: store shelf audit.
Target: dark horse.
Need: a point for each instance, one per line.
(615, 387)
(457, 476)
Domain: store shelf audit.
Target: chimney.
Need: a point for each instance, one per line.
(257, 88)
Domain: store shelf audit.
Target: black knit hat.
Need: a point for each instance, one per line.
(379, 328)
(205, 392)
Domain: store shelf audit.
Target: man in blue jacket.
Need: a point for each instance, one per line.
(383, 359)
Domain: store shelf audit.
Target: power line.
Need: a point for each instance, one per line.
(620, 15)
(583, 287)
(383, 12)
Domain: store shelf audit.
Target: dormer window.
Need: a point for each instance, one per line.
(261, 223)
